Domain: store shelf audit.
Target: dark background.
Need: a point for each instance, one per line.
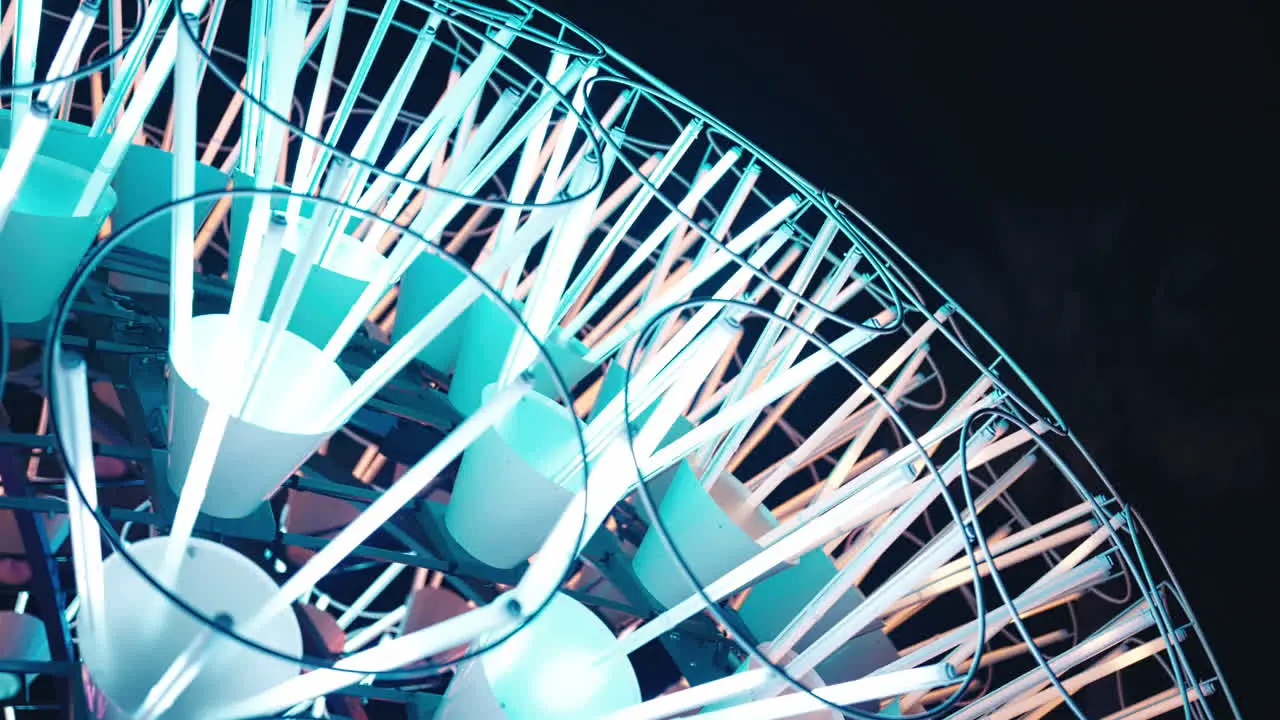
(1094, 183)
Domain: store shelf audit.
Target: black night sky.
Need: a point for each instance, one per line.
(1093, 183)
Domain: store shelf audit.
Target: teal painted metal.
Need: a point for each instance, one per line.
(425, 284)
(42, 242)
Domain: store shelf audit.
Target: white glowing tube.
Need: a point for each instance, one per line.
(250, 293)
(844, 580)
(651, 382)
(659, 276)
(450, 633)
(831, 296)
(135, 114)
(678, 242)
(370, 594)
(435, 321)
(981, 452)
(440, 160)
(462, 135)
(1009, 542)
(737, 198)
(1027, 603)
(696, 365)
(607, 420)
(939, 550)
(890, 467)
(552, 275)
(72, 382)
(1047, 699)
(701, 319)
(116, 32)
(701, 273)
(460, 165)
(606, 122)
(390, 502)
(796, 460)
(1085, 575)
(254, 85)
(755, 265)
(1086, 548)
(1120, 630)
(282, 26)
(694, 697)
(970, 456)
(430, 226)
(30, 123)
(1039, 595)
(785, 352)
(946, 583)
(319, 100)
(793, 504)
(258, 259)
(686, 207)
(233, 382)
(976, 395)
(306, 258)
(768, 337)
(210, 32)
(195, 486)
(628, 218)
(140, 42)
(234, 159)
(595, 268)
(525, 176)
(29, 126)
(670, 224)
(564, 133)
(178, 676)
(761, 397)
(853, 452)
(374, 630)
(372, 44)
(840, 521)
(859, 396)
(26, 42)
(430, 136)
(992, 656)
(371, 141)
(732, 288)
(182, 217)
(20, 156)
(1161, 703)
(846, 693)
(68, 55)
(1040, 529)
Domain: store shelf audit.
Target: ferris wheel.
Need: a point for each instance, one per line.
(429, 359)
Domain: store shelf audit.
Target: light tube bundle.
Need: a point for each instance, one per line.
(455, 287)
